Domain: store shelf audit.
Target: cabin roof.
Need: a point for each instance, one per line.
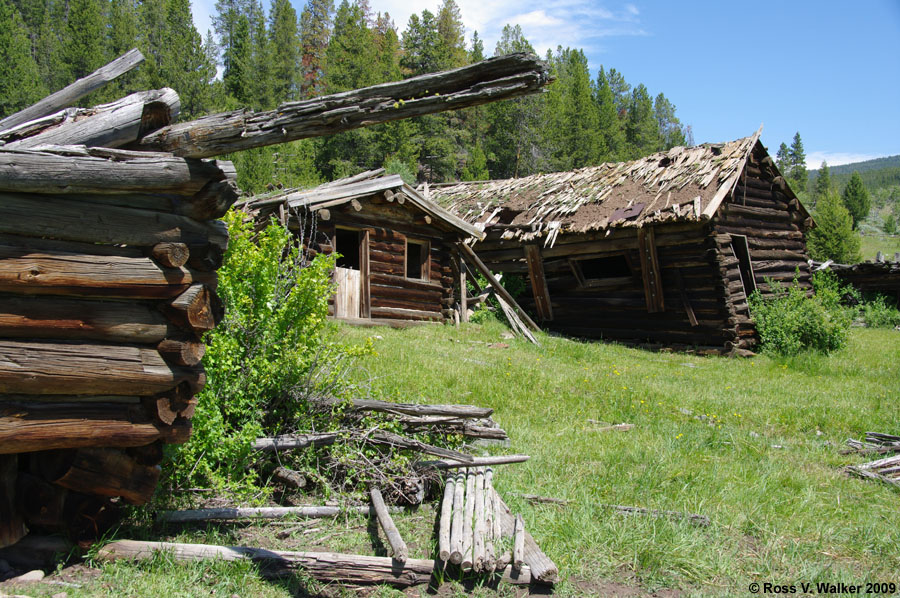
(681, 184)
(363, 185)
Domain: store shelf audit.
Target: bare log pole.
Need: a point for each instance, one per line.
(494, 79)
(235, 513)
(446, 519)
(401, 551)
(456, 525)
(479, 525)
(492, 526)
(468, 521)
(323, 566)
(701, 520)
(475, 462)
(464, 411)
(518, 543)
(77, 90)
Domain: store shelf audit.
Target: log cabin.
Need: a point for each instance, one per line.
(662, 251)
(396, 250)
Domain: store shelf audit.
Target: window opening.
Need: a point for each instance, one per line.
(600, 268)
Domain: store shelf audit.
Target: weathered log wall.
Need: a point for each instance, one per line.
(694, 313)
(106, 286)
(393, 295)
(774, 224)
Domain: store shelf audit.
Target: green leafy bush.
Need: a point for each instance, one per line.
(790, 321)
(268, 355)
(878, 313)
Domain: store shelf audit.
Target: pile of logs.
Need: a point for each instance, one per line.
(478, 532)
(885, 470)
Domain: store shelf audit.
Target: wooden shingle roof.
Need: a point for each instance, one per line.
(681, 184)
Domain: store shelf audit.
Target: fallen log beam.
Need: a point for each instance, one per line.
(294, 441)
(701, 520)
(500, 78)
(475, 462)
(235, 513)
(77, 90)
(542, 568)
(398, 546)
(108, 125)
(465, 411)
(473, 259)
(445, 525)
(324, 566)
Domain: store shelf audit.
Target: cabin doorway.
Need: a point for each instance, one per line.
(351, 274)
(745, 265)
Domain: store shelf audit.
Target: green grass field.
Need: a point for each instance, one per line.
(751, 443)
(870, 245)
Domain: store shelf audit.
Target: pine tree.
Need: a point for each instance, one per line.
(315, 32)
(351, 50)
(476, 54)
(609, 124)
(641, 129)
(84, 49)
(670, 131)
(783, 159)
(451, 32)
(261, 84)
(571, 131)
(621, 91)
(48, 51)
(238, 60)
(184, 63)
(284, 38)
(20, 80)
(856, 199)
(423, 51)
(833, 238)
(823, 183)
(798, 175)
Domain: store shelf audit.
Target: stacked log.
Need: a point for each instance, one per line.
(106, 288)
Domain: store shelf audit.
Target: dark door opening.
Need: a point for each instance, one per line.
(347, 242)
(742, 252)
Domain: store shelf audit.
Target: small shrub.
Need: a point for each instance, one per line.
(789, 321)
(877, 313)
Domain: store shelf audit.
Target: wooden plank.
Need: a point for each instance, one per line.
(12, 526)
(685, 302)
(504, 77)
(538, 282)
(346, 295)
(75, 91)
(650, 272)
(463, 290)
(470, 256)
(365, 275)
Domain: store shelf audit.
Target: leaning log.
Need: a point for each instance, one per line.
(323, 566)
(499, 78)
(401, 551)
(542, 568)
(77, 90)
(108, 125)
(234, 513)
(446, 519)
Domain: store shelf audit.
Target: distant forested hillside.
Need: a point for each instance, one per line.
(879, 173)
(267, 55)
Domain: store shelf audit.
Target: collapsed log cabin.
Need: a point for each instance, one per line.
(396, 248)
(663, 250)
(108, 253)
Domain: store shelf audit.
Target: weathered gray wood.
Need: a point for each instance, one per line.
(95, 369)
(63, 318)
(492, 519)
(479, 528)
(401, 551)
(76, 169)
(108, 125)
(467, 411)
(456, 524)
(181, 351)
(473, 259)
(468, 542)
(235, 513)
(475, 462)
(542, 568)
(324, 566)
(446, 519)
(494, 79)
(77, 90)
(701, 520)
(289, 477)
(57, 217)
(518, 543)
(294, 441)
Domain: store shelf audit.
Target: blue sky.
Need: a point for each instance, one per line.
(830, 70)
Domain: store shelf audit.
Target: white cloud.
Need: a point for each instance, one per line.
(814, 159)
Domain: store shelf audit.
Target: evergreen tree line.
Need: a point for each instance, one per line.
(266, 59)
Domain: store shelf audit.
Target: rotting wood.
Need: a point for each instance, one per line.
(535, 498)
(108, 472)
(701, 520)
(446, 519)
(170, 255)
(294, 441)
(538, 282)
(324, 566)
(198, 308)
(465, 411)
(518, 542)
(398, 546)
(12, 525)
(74, 92)
(289, 477)
(494, 79)
(184, 352)
(236, 513)
(650, 271)
(542, 568)
(112, 125)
